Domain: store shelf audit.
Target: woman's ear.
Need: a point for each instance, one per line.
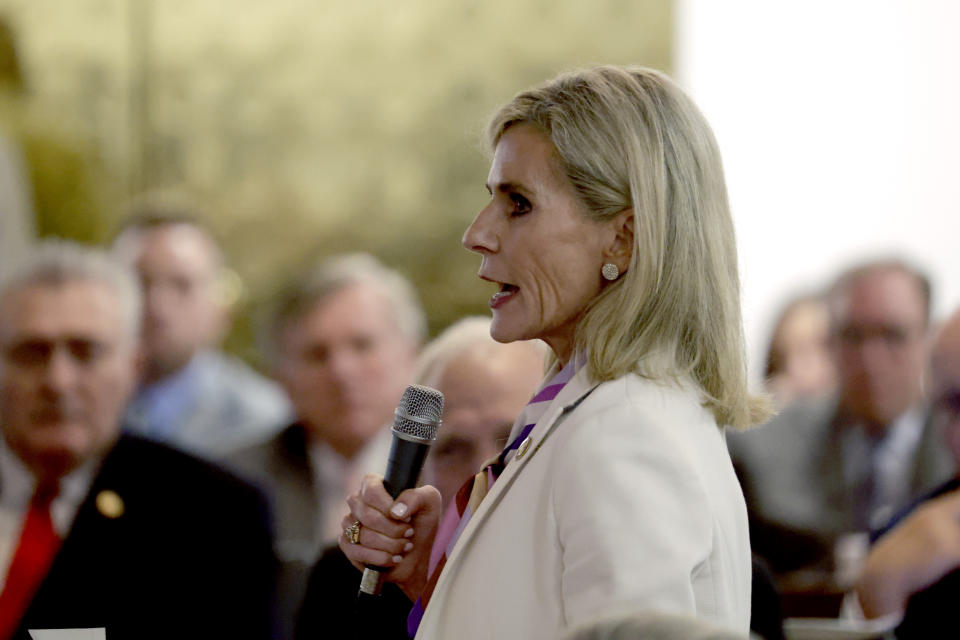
(620, 249)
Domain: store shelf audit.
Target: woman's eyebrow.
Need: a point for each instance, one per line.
(507, 187)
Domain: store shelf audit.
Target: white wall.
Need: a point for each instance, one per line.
(839, 123)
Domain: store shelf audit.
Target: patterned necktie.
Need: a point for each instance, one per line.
(35, 552)
(473, 491)
(866, 492)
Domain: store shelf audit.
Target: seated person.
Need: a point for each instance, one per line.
(99, 529)
(826, 471)
(191, 395)
(799, 363)
(342, 341)
(485, 385)
(913, 569)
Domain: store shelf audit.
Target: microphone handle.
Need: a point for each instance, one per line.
(403, 470)
(404, 465)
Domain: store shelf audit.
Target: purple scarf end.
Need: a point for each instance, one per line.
(413, 620)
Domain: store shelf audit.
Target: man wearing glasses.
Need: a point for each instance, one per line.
(830, 471)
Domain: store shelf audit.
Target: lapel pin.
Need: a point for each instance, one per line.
(522, 449)
(109, 504)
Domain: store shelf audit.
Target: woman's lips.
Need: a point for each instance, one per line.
(501, 297)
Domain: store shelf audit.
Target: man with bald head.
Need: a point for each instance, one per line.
(485, 386)
(833, 469)
(99, 529)
(191, 395)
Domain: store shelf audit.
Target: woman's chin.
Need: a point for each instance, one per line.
(503, 332)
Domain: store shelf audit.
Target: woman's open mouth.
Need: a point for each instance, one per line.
(506, 292)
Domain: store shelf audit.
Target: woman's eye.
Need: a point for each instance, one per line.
(520, 204)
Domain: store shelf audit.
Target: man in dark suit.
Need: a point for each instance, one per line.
(912, 574)
(98, 530)
(821, 473)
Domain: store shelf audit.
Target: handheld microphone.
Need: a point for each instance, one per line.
(415, 426)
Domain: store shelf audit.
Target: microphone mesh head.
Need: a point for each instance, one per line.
(418, 413)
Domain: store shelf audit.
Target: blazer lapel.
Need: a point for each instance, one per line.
(566, 401)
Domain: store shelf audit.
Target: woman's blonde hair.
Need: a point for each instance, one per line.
(628, 137)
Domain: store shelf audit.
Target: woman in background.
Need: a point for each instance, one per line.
(799, 363)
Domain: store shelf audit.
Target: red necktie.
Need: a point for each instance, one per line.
(35, 552)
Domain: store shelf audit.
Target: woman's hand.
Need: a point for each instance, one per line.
(394, 534)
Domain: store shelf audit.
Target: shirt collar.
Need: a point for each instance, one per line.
(331, 468)
(17, 484)
(161, 404)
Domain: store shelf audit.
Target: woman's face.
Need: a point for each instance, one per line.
(537, 244)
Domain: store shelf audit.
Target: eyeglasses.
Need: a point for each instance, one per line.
(892, 336)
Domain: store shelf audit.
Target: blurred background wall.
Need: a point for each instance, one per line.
(838, 121)
(304, 127)
(308, 127)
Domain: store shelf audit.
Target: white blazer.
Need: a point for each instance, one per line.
(624, 498)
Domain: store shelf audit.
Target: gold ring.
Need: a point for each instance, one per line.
(353, 532)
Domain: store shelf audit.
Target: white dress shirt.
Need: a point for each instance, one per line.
(17, 485)
(890, 461)
(337, 477)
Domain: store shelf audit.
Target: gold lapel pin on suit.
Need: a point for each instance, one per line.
(110, 504)
(522, 449)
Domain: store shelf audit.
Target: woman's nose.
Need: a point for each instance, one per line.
(481, 235)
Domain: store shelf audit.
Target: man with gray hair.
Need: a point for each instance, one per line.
(98, 529)
(911, 578)
(824, 472)
(342, 342)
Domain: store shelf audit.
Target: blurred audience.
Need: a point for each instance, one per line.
(342, 342)
(825, 469)
(99, 529)
(485, 385)
(766, 606)
(913, 570)
(799, 363)
(191, 395)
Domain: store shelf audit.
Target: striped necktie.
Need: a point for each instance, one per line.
(473, 491)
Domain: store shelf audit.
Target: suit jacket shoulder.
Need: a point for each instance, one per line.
(331, 603)
(280, 466)
(792, 468)
(236, 406)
